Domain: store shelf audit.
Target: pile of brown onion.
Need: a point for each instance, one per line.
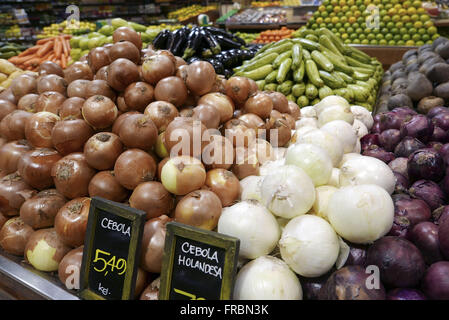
(103, 127)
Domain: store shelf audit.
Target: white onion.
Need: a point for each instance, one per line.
(267, 278)
(364, 115)
(360, 129)
(367, 170)
(330, 101)
(263, 150)
(300, 132)
(288, 192)
(308, 112)
(313, 159)
(361, 214)
(335, 178)
(306, 122)
(323, 195)
(309, 245)
(279, 153)
(250, 188)
(343, 254)
(344, 132)
(347, 156)
(326, 141)
(269, 166)
(335, 112)
(357, 147)
(253, 224)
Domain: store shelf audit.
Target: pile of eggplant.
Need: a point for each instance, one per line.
(222, 49)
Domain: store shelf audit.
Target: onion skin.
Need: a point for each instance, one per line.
(349, 283)
(138, 131)
(224, 184)
(9, 96)
(294, 110)
(71, 221)
(35, 167)
(39, 127)
(183, 174)
(138, 95)
(152, 198)
(69, 136)
(10, 154)
(14, 235)
(435, 283)
(70, 267)
(133, 167)
(99, 111)
(200, 208)
(153, 242)
(105, 185)
(102, 150)
(161, 113)
(400, 262)
(72, 175)
(12, 127)
(14, 191)
(40, 211)
(51, 243)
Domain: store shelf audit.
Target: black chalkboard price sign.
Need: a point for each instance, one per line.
(197, 264)
(111, 251)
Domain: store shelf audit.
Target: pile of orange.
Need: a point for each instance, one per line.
(274, 35)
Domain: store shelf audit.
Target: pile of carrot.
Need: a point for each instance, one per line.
(55, 49)
(274, 35)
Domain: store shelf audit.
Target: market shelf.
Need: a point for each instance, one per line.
(387, 55)
(22, 281)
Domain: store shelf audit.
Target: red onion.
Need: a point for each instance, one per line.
(435, 283)
(407, 213)
(399, 165)
(405, 294)
(407, 146)
(389, 139)
(426, 164)
(443, 237)
(379, 153)
(419, 127)
(425, 237)
(370, 140)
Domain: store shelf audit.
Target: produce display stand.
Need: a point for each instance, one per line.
(387, 55)
(213, 16)
(19, 281)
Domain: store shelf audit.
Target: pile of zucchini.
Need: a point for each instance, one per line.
(11, 49)
(222, 49)
(307, 70)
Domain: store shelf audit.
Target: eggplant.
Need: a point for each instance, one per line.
(228, 43)
(160, 42)
(193, 43)
(211, 41)
(180, 45)
(175, 40)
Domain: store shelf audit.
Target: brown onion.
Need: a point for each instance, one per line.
(238, 133)
(98, 58)
(192, 101)
(119, 121)
(238, 89)
(151, 292)
(133, 167)
(78, 88)
(71, 109)
(27, 103)
(6, 107)
(12, 127)
(156, 68)
(253, 87)
(49, 67)
(160, 165)
(171, 89)
(200, 208)
(14, 236)
(127, 34)
(218, 153)
(260, 104)
(208, 115)
(70, 136)
(50, 101)
(224, 184)
(186, 112)
(69, 269)
(72, 175)
(294, 110)
(9, 96)
(138, 131)
(254, 122)
(246, 163)
(39, 127)
(99, 111)
(152, 198)
(221, 102)
(14, 191)
(102, 150)
(102, 73)
(100, 87)
(219, 84)
(186, 136)
(10, 154)
(280, 102)
(23, 84)
(3, 219)
(78, 70)
(40, 211)
(200, 77)
(263, 150)
(121, 104)
(121, 73)
(124, 49)
(183, 174)
(180, 62)
(289, 120)
(35, 167)
(279, 134)
(138, 96)
(71, 221)
(153, 242)
(105, 185)
(161, 113)
(52, 82)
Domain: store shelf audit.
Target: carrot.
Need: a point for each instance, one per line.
(43, 41)
(57, 48)
(33, 62)
(63, 62)
(21, 60)
(13, 59)
(65, 46)
(51, 57)
(30, 50)
(44, 49)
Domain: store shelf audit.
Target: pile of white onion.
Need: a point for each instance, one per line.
(295, 217)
